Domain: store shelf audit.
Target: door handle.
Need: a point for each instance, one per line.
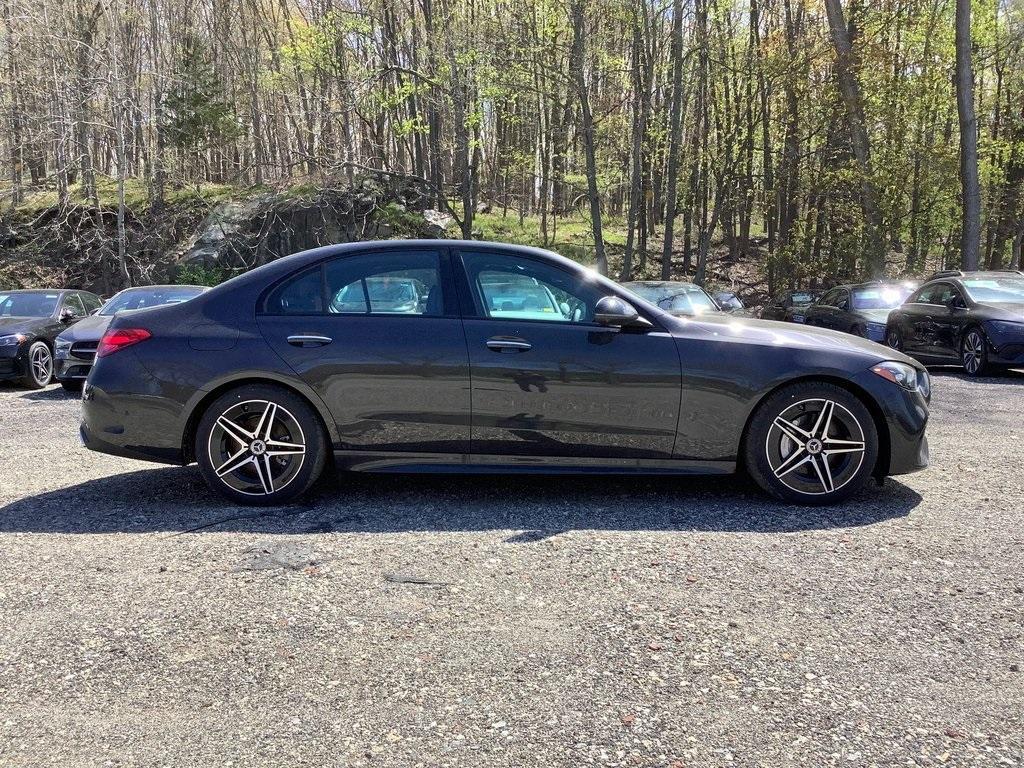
(505, 344)
(309, 340)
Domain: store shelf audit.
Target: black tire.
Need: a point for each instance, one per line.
(251, 455)
(72, 385)
(974, 352)
(787, 462)
(38, 366)
(894, 339)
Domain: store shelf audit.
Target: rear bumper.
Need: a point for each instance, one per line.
(125, 412)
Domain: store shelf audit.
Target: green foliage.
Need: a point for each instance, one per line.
(196, 114)
(200, 274)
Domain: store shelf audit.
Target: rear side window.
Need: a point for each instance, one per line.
(300, 295)
(397, 283)
(401, 283)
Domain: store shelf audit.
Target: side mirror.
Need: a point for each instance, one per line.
(67, 316)
(615, 312)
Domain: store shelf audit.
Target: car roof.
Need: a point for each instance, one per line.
(159, 287)
(660, 283)
(43, 290)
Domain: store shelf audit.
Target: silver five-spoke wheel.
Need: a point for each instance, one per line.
(815, 446)
(256, 447)
(39, 365)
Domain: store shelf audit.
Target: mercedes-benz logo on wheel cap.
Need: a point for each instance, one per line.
(814, 446)
(258, 447)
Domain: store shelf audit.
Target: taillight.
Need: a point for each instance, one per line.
(118, 338)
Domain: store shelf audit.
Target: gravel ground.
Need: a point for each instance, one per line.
(512, 622)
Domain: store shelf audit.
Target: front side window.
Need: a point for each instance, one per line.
(74, 305)
(511, 288)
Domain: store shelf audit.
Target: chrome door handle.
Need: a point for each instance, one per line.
(500, 344)
(309, 340)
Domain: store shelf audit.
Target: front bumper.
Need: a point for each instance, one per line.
(905, 418)
(12, 362)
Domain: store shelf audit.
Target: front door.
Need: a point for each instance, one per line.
(378, 337)
(550, 382)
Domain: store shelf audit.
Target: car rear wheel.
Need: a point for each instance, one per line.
(974, 353)
(38, 366)
(811, 443)
(260, 445)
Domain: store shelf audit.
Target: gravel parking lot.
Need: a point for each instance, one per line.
(406, 621)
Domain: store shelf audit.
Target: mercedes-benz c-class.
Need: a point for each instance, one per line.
(450, 356)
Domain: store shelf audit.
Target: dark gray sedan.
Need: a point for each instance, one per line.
(515, 360)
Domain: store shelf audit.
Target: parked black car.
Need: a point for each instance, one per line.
(75, 347)
(29, 323)
(676, 297)
(518, 360)
(788, 304)
(974, 319)
(858, 309)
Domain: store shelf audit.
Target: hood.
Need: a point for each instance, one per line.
(9, 325)
(875, 315)
(88, 329)
(1011, 312)
(790, 335)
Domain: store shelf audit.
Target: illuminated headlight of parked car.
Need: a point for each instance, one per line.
(906, 376)
(876, 331)
(12, 340)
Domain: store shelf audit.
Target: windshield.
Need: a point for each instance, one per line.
(882, 297)
(996, 290)
(682, 298)
(30, 304)
(127, 301)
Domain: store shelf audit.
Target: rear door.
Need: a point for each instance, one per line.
(378, 336)
(550, 382)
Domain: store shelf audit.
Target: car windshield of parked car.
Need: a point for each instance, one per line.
(31, 304)
(680, 298)
(996, 290)
(885, 297)
(131, 300)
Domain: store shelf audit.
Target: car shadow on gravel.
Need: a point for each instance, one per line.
(175, 500)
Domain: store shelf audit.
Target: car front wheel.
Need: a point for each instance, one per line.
(38, 366)
(894, 339)
(260, 445)
(974, 353)
(811, 443)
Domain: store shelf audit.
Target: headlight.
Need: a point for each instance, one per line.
(1006, 328)
(63, 346)
(906, 376)
(13, 340)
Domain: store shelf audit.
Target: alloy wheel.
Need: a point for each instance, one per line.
(257, 447)
(41, 362)
(973, 352)
(892, 338)
(815, 446)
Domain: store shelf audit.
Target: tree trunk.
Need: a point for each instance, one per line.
(970, 227)
(849, 88)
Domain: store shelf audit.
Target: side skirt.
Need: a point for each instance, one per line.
(461, 463)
